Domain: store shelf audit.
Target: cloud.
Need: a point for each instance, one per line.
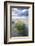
(18, 12)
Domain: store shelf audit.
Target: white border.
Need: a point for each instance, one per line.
(13, 39)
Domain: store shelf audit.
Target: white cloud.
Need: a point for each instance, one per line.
(16, 15)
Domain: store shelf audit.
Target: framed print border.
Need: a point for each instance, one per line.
(5, 22)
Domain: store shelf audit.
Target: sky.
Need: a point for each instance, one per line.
(20, 13)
